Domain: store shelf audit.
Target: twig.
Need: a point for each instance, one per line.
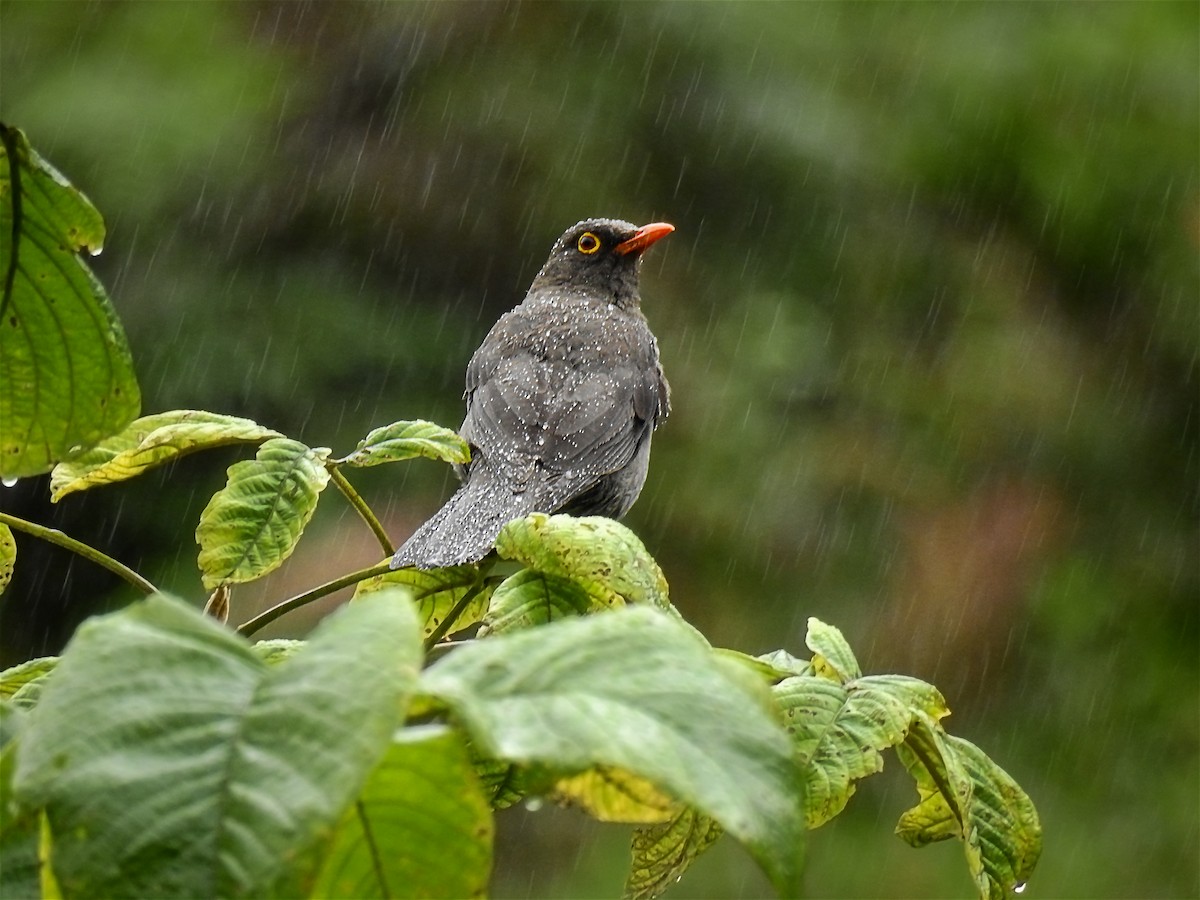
(464, 601)
(268, 616)
(360, 506)
(54, 536)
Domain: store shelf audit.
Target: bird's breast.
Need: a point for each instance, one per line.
(577, 331)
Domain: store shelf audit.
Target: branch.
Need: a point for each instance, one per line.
(267, 617)
(54, 536)
(443, 627)
(360, 506)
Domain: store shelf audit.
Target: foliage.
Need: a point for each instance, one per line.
(66, 367)
(930, 315)
(165, 755)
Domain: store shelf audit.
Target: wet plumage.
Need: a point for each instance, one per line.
(562, 398)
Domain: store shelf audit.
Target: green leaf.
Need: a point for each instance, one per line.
(436, 592)
(406, 440)
(49, 886)
(838, 731)
(602, 556)
(785, 664)
(965, 795)
(421, 827)
(253, 523)
(635, 690)
(662, 853)
(615, 795)
(276, 650)
(173, 762)
(152, 441)
(16, 682)
(20, 869)
(8, 556)
(506, 783)
(834, 659)
(532, 598)
(66, 376)
(772, 672)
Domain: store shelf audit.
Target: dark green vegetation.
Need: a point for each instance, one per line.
(930, 316)
(162, 755)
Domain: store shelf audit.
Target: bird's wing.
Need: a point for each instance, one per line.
(505, 406)
(599, 419)
(575, 423)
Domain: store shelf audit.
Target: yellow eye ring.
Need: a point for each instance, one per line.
(588, 243)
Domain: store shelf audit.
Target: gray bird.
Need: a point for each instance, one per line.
(562, 398)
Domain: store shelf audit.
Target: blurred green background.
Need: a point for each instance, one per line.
(931, 317)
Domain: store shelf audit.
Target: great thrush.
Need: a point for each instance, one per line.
(562, 398)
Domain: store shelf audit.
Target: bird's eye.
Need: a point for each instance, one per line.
(588, 243)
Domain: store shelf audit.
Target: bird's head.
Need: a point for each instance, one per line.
(601, 256)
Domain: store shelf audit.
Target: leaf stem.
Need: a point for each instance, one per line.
(464, 601)
(54, 536)
(268, 616)
(14, 174)
(939, 775)
(360, 506)
(373, 848)
(441, 649)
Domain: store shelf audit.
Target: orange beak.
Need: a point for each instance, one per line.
(644, 237)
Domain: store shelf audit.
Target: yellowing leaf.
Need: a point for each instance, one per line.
(602, 556)
(610, 794)
(8, 556)
(152, 441)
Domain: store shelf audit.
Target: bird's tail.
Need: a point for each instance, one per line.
(465, 529)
